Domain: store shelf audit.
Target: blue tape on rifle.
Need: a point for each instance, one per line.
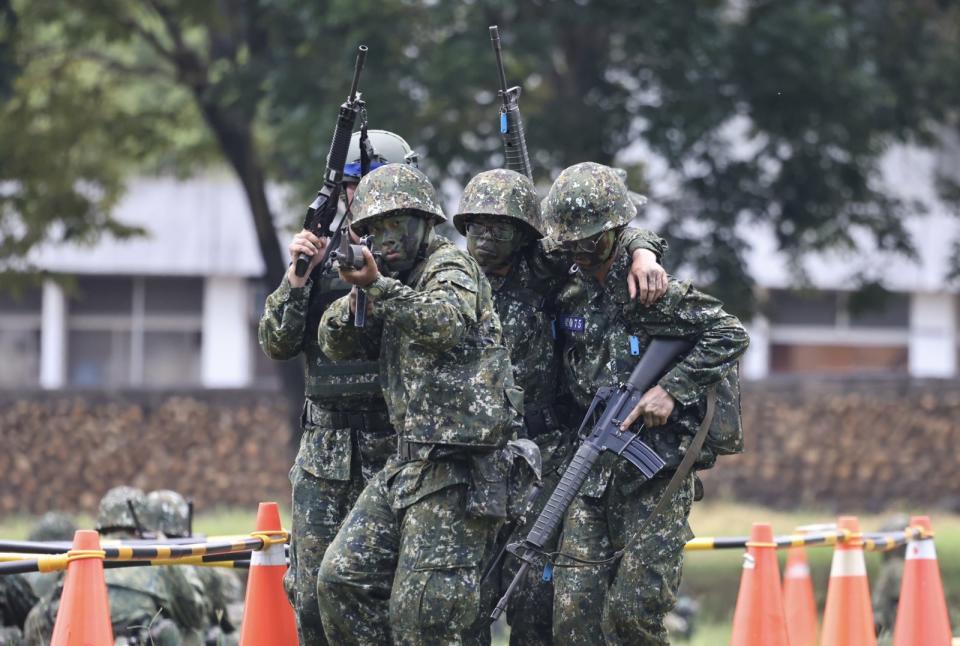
(548, 572)
(634, 346)
(503, 123)
(553, 329)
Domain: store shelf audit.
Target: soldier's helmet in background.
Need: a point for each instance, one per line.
(168, 513)
(586, 199)
(501, 192)
(395, 189)
(114, 513)
(53, 526)
(895, 523)
(386, 148)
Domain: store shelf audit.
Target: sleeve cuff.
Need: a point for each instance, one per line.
(680, 387)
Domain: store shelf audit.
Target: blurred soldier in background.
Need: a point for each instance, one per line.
(52, 526)
(886, 591)
(161, 606)
(16, 599)
(347, 435)
(169, 515)
(499, 214)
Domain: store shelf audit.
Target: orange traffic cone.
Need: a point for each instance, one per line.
(758, 619)
(848, 617)
(84, 615)
(267, 615)
(922, 614)
(799, 605)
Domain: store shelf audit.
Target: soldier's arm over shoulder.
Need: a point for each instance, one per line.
(284, 319)
(437, 315)
(632, 239)
(339, 339)
(720, 339)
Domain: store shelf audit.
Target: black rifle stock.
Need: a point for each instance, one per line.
(604, 435)
(511, 125)
(323, 210)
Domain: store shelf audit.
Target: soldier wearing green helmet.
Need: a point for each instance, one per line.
(148, 605)
(346, 432)
(624, 600)
(405, 565)
(499, 214)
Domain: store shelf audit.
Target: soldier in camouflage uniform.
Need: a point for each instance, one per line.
(16, 599)
(347, 435)
(167, 514)
(161, 606)
(52, 526)
(405, 565)
(500, 216)
(603, 331)
(886, 590)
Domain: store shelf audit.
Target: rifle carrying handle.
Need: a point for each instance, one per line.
(553, 512)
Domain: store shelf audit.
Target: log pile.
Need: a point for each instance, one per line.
(845, 445)
(63, 451)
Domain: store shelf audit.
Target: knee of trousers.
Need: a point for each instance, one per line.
(437, 599)
(637, 603)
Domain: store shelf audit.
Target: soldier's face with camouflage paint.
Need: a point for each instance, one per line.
(493, 241)
(591, 253)
(398, 237)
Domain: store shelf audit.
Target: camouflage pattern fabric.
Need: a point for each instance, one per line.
(603, 333)
(114, 511)
(407, 571)
(393, 188)
(168, 513)
(149, 605)
(53, 526)
(446, 377)
(11, 636)
(624, 602)
(501, 192)
(405, 564)
(584, 200)
(324, 477)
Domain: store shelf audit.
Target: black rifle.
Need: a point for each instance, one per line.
(350, 256)
(511, 125)
(605, 435)
(323, 210)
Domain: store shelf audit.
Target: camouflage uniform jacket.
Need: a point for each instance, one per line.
(288, 328)
(604, 332)
(524, 300)
(446, 377)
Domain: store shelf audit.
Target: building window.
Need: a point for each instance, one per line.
(133, 332)
(20, 339)
(836, 332)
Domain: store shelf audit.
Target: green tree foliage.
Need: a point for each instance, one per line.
(772, 113)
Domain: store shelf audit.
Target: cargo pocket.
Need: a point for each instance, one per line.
(440, 594)
(325, 452)
(487, 496)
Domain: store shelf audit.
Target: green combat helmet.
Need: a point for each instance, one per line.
(53, 526)
(115, 514)
(585, 200)
(388, 148)
(500, 192)
(167, 512)
(391, 189)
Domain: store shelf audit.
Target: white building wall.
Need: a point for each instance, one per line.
(933, 335)
(756, 361)
(226, 342)
(53, 336)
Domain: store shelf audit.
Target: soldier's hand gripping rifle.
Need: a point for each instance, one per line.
(350, 256)
(323, 210)
(604, 435)
(511, 125)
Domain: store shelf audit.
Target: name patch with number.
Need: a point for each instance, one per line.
(573, 323)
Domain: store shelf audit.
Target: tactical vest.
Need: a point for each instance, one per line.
(336, 385)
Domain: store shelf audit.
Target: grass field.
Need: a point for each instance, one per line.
(710, 577)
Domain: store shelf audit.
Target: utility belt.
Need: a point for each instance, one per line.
(409, 451)
(540, 419)
(365, 422)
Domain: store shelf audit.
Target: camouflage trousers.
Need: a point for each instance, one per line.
(624, 602)
(319, 506)
(530, 611)
(408, 576)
